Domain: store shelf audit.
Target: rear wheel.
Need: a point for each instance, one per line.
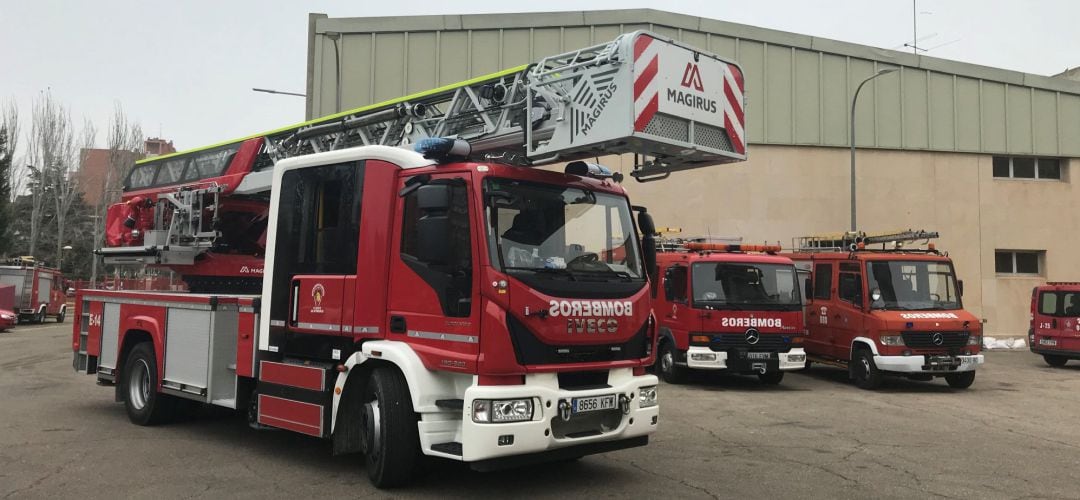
(864, 371)
(1055, 360)
(389, 438)
(39, 318)
(60, 317)
(144, 404)
(961, 380)
(670, 371)
(771, 378)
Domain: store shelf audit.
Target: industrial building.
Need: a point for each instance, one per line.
(980, 154)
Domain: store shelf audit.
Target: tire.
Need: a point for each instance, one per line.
(39, 318)
(864, 371)
(1055, 360)
(391, 440)
(145, 406)
(961, 380)
(671, 372)
(771, 378)
(61, 315)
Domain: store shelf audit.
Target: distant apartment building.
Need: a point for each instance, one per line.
(95, 179)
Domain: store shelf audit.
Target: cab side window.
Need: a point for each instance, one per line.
(822, 281)
(850, 288)
(675, 284)
(451, 274)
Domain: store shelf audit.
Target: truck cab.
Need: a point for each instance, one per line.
(731, 310)
(1055, 322)
(889, 312)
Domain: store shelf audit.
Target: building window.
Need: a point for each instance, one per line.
(1026, 167)
(1027, 262)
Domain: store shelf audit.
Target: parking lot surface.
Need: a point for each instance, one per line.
(1014, 434)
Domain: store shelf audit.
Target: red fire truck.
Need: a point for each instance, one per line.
(39, 291)
(889, 310)
(1055, 322)
(421, 292)
(728, 307)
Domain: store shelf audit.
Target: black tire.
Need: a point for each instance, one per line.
(61, 315)
(863, 370)
(668, 369)
(1055, 360)
(39, 318)
(392, 457)
(961, 380)
(771, 378)
(138, 386)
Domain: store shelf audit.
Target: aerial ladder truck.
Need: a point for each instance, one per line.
(392, 279)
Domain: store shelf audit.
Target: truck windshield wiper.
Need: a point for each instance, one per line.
(544, 270)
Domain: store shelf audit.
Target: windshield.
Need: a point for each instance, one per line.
(547, 229)
(729, 285)
(912, 285)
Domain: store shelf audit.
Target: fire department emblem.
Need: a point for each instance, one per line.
(317, 294)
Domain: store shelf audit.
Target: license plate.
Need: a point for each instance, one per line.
(1050, 342)
(594, 403)
(758, 355)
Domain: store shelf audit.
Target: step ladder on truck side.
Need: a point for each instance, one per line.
(391, 318)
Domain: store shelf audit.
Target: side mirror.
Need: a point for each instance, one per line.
(960, 287)
(648, 242)
(433, 228)
(433, 198)
(808, 289)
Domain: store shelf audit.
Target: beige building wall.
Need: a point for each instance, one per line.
(927, 133)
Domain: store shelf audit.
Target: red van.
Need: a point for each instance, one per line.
(1055, 322)
(724, 307)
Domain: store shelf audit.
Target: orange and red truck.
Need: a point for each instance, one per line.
(879, 305)
(728, 306)
(1055, 322)
(393, 279)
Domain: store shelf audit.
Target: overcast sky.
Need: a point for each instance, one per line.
(185, 69)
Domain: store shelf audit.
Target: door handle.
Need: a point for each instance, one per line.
(1053, 323)
(397, 324)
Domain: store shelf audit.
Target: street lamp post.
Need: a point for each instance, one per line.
(855, 99)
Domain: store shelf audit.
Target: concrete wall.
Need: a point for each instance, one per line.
(799, 87)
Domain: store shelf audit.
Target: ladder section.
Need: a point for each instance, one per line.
(858, 240)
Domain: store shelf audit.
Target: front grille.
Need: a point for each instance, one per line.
(926, 340)
(586, 424)
(766, 342)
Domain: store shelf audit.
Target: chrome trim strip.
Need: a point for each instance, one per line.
(365, 329)
(319, 326)
(164, 303)
(277, 322)
(449, 337)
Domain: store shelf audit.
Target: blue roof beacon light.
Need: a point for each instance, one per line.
(443, 149)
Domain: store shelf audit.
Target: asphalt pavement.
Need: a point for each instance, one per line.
(1014, 434)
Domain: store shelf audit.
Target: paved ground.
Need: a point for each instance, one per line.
(1014, 434)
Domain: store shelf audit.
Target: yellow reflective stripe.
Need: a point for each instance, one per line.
(361, 109)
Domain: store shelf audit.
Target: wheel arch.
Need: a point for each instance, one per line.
(129, 339)
(864, 343)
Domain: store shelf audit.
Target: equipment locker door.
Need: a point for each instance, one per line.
(432, 284)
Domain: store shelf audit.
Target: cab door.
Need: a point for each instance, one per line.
(432, 283)
(820, 307)
(1044, 321)
(848, 318)
(1068, 332)
(679, 319)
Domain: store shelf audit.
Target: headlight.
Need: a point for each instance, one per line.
(502, 410)
(7, 316)
(893, 340)
(647, 397)
(703, 356)
(975, 340)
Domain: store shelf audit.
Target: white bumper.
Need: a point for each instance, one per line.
(480, 441)
(915, 364)
(703, 358)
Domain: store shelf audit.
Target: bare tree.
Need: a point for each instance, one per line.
(124, 141)
(50, 146)
(64, 180)
(9, 122)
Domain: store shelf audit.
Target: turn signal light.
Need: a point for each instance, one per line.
(699, 338)
(797, 340)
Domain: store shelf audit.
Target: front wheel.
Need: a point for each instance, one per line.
(1055, 360)
(60, 317)
(864, 371)
(771, 378)
(138, 384)
(961, 380)
(670, 371)
(390, 440)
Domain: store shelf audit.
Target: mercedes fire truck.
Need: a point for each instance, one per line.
(407, 288)
(727, 306)
(893, 309)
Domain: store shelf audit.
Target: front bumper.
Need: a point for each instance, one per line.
(923, 364)
(547, 431)
(703, 358)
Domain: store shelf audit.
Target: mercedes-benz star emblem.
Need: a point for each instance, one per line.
(752, 336)
(937, 338)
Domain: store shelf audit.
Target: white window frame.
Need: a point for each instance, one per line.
(1039, 261)
(1012, 173)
